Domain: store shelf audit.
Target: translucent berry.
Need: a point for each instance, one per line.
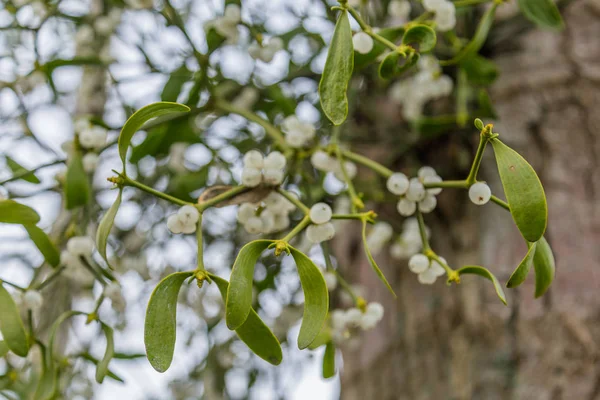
(90, 162)
(480, 193)
(251, 177)
(33, 300)
(273, 176)
(362, 42)
(425, 172)
(350, 168)
(188, 228)
(320, 213)
(254, 225)
(320, 233)
(427, 277)
(330, 280)
(274, 160)
(397, 183)
(406, 207)
(418, 263)
(253, 159)
(416, 190)
(245, 212)
(436, 268)
(323, 161)
(376, 310)
(433, 179)
(367, 322)
(174, 224)
(188, 215)
(80, 245)
(428, 204)
(353, 316)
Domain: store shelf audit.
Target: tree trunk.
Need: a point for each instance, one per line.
(460, 342)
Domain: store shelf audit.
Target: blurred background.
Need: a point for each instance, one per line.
(63, 59)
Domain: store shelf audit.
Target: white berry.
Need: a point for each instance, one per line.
(188, 215)
(425, 172)
(33, 300)
(320, 213)
(274, 160)
(330, 280)
(436, 268)
(253, 159)
(80, 245)
(416, 190)
(113, 291)
(323, 161)
(350, 168)
(273, 176)
(188, 228)
(320, 233)
(480, 193)
(174, 224)
(428, 204)
(254, 225)
(397, 183)
(362, 42)
(376, 310)
(406, 207)
(245, 212)
(418, 263)
(433, 179)
(427, 277)
(90, 162)
(251, 177)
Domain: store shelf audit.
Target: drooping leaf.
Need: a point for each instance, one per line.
(106, 225)
(316, 298)
(519, 274)
(109, 373)
(140, 117)
(12, 212)
(257, 336)
(11, 326)
(372, 260)
(329, 361)
(391, 34)
(102, 368)
(396, 63)
(17, 168)
(161, 321)
(420, 37)
(477, 270)
(239, 294)
(480, 70)
(543, 13)
(523, 190)
(544, 265)
(3, 348)
(77, 184)
(44, 244)
(337, 72)
(322, 338)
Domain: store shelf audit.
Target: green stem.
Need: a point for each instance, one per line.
(31, 171)
(423, 232)
(127, 181)
(357, 203)
(466, 3)
(367, 162)
(22, 289)
(357, 216)
(200, 263)
(297, 229)
(437, 258)
(472, 178)
(294, 200)
(367, 28)
(447, 184)
(222, 197)
(56, 273)
(500, 202)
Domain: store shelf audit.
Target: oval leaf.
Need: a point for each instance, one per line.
(239, 294)
(161, 321)
(106, 225)
(257, 336)
(545, 268)
(316, 298)
(44, 244)
(77, 184)
(140, 117)
(523, 190)
(396, 63)
(11, 326)
(329, 361)
(337, 72)
(391, 34)
(12, 212)
(18, 169)
(420, 37)
(477, 270)
(543, 13)
(519, 275)
(102, 368)
(372, 260)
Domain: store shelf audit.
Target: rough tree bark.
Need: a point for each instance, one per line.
(461, 342)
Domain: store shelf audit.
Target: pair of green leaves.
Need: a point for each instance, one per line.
(11, 325)
(543, 13)
(417, 39)
(239, 295)
(161, 322)
(539, 255)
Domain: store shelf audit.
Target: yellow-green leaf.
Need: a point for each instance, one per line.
(161, 321)
(337, 72)
(12, 212)
(545, 269)
(543, 13)
(420, 37)
(102, 368)
(18, 169)
(316, 298)
(239, 294)
(322, 338)
(3, 348)
(519, 274)
(523, 190)
(44, 244)
(477, 270)
(77, 184)
(106, 225)
(11, 326)
(329, 361)
(257, 336)
(372, 260)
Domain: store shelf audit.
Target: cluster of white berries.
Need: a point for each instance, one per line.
(345, 322)
(399, 9)
(32, 300)
(428, 84)
(409, 242)
(113, 292)
(265, 52)
(445, 13)
(184, 221)
(324, 162)
(480, 193)
(77, 247)
(226, 25)
(90, 136)
(427, 270)
(257, 169)
(378, 236)
(297, 133)
(321, 228)
(362, 42)
(413, 193)
(271, 215)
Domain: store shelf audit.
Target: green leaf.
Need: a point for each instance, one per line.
(11, 326)
(161, 321)
(109, 373)
(480, 70)
(174, 84)
(316, 298)
(479, 38)
(239, 294)
(523, 190)
(102, 368)
(543, 13)
(44, 244)
(545, 269)
(485, 106)
(477, 270)
(17, 169)
(396, 63)
(420, 37)
(519, 274)
(140, 117)
(257, 336)
(337, 72)
(181, 185)
(372, 260)
(329, 361)
(3, 348)
(322, 338)
(12, 212)
(391, 34)
(106, 225)
(77, 184)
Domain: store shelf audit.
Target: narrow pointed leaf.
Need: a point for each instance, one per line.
(17, 169)
(329, 361)
(372, 260)
(523, 190)
(161, 321)
(420, 37)
(545, 268)
(44, 244)
(477, 270)
(11, 326)
(109, 373)
(12, 212)
(316, 298)
(543, 13)
(392, 34)
(77, 184)
(106, 225)
(257, 336)
(239, 294)
(102, 368)
(337, 72)
(519, 274)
